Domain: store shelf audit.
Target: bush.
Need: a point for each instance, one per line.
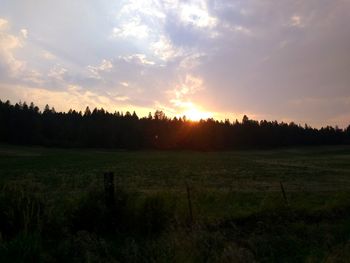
(154, 216)
(20, 211)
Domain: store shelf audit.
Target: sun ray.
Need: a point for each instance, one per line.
(194, 114)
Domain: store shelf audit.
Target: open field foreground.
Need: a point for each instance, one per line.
(288, 205)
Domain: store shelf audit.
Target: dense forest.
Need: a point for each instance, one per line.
(25, 124)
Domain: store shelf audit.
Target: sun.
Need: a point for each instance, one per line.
(194, 114)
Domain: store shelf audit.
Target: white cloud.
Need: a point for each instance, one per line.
(238, 48)
(191, 61)
(137, 59)
(106, 65)
(132, 28)
(3, 24)
(48, 55)
(196, 13)
(124, 83)
(117, 97)
(57, 72)
(234, 28)
(147, 21)
(70, 97)
(242, 29)
(164, 49)
(8, 45)
(33, 76)
(189, 85)
(151, 8)
(296, 21)
(24, 33)
(95, 71)
(180, 96)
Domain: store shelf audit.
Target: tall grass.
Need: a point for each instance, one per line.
(53, 208)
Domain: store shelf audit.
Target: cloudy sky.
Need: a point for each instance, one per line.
(285, 59)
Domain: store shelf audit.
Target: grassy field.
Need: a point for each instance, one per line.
(52, 206)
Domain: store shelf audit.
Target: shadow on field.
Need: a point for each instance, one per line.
(83, 229)
(139, 227)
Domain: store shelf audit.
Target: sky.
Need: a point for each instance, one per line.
(285, 60)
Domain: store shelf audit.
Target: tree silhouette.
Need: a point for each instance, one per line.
(27, 125)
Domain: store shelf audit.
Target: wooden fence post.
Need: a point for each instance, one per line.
(109, 188)
(284, 194)
(189, 204)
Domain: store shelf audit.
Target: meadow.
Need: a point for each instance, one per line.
(52, 205)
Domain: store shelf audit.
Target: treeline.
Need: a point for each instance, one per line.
(25, 124)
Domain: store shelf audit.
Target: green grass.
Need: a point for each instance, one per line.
(52, 206)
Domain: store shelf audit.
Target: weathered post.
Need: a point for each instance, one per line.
(109, 188)
(189, 204)
(284, 194)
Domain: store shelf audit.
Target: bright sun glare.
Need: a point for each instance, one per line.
(194, 114)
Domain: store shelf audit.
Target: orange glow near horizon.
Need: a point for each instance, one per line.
(195, 114)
